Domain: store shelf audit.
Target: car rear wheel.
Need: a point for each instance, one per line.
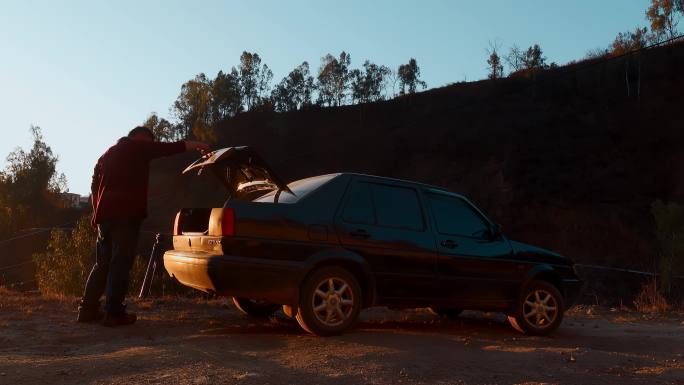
(330, 301)
(446, 312)
(255, 308)
(539, 310)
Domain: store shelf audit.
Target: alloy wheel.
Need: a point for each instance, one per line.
(333, 301)
(540, 308)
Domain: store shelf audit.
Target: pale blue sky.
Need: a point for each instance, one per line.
(89, 71)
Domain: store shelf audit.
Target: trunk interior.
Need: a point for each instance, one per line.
(194, 221)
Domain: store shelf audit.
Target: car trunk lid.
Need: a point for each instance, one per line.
(241, 170)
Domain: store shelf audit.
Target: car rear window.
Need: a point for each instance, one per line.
(300, 188)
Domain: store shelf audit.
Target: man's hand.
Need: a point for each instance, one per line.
(194, 145)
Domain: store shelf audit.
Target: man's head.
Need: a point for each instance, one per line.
(141, 133)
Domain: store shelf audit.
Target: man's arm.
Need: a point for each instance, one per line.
(95, 183)
(153, 150)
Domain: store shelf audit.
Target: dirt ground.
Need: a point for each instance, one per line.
(184, 341)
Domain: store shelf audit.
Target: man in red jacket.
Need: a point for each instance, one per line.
(119, 195)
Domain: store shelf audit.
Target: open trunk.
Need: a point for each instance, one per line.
(245, 175)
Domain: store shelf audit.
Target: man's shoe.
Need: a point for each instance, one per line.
(112, 320)
(87, 315)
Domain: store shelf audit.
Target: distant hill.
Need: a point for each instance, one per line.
(570, 159)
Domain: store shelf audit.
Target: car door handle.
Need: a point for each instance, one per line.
(449, 244)
(359, 233)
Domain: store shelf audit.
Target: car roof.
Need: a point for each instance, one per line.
(414, 183)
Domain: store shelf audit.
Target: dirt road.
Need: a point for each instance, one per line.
(182, 341)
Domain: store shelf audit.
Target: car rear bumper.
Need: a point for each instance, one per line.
(261, 279)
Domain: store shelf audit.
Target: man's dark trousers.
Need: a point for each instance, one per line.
(116, 247)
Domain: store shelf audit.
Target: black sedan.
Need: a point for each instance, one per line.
(328, 246)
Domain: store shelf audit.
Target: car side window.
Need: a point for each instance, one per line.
(359, 207)
(454, 216)
(397, 207)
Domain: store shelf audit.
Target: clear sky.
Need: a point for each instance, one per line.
(86, 72)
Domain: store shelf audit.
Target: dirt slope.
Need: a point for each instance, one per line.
(568, 159)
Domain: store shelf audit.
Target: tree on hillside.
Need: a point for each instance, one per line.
(533, 59)
(367, 85)
(664, 18)
(255, 79)
(596, 53)
(529, 60)
(495, 68)
(629, 41)
(30, 186)
(295, 90)
(333, 79)
(193, 109)
(226, 95)
(515, 58)
(409, 77)
(163, 130)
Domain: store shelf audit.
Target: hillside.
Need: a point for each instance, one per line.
(567, 160)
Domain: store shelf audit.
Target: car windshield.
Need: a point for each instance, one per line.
(300, 188)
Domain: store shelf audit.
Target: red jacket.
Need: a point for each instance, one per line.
(119, 187)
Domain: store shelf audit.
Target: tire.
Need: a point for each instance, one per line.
(330, 301)
(446, 312)
(539, 310)
(254, 308)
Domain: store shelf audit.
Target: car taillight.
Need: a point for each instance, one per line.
(228, 222)
(176, 224)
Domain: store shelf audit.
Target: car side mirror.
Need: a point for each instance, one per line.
(496, 231)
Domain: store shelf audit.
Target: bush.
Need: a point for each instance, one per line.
(649, 299)
(64, 266)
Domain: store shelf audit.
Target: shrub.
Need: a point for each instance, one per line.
(64, 266)
(649, 299)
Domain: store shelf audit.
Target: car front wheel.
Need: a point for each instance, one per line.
(539, 310)
(330, 301)
(255, 308)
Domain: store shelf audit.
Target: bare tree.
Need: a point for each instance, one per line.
(515, 58)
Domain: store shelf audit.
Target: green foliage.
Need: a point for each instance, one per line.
(669, 220)
(254, 79)
(333, 79)
(226, 95)
(70, 254)
(163, 130)
(63, 268)
(30, 186)
(533, 58)
(409, 77)
(193, 109)
(295, 90)
(367, 85)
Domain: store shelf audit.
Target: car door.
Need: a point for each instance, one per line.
(473, 267)
(386, 224)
